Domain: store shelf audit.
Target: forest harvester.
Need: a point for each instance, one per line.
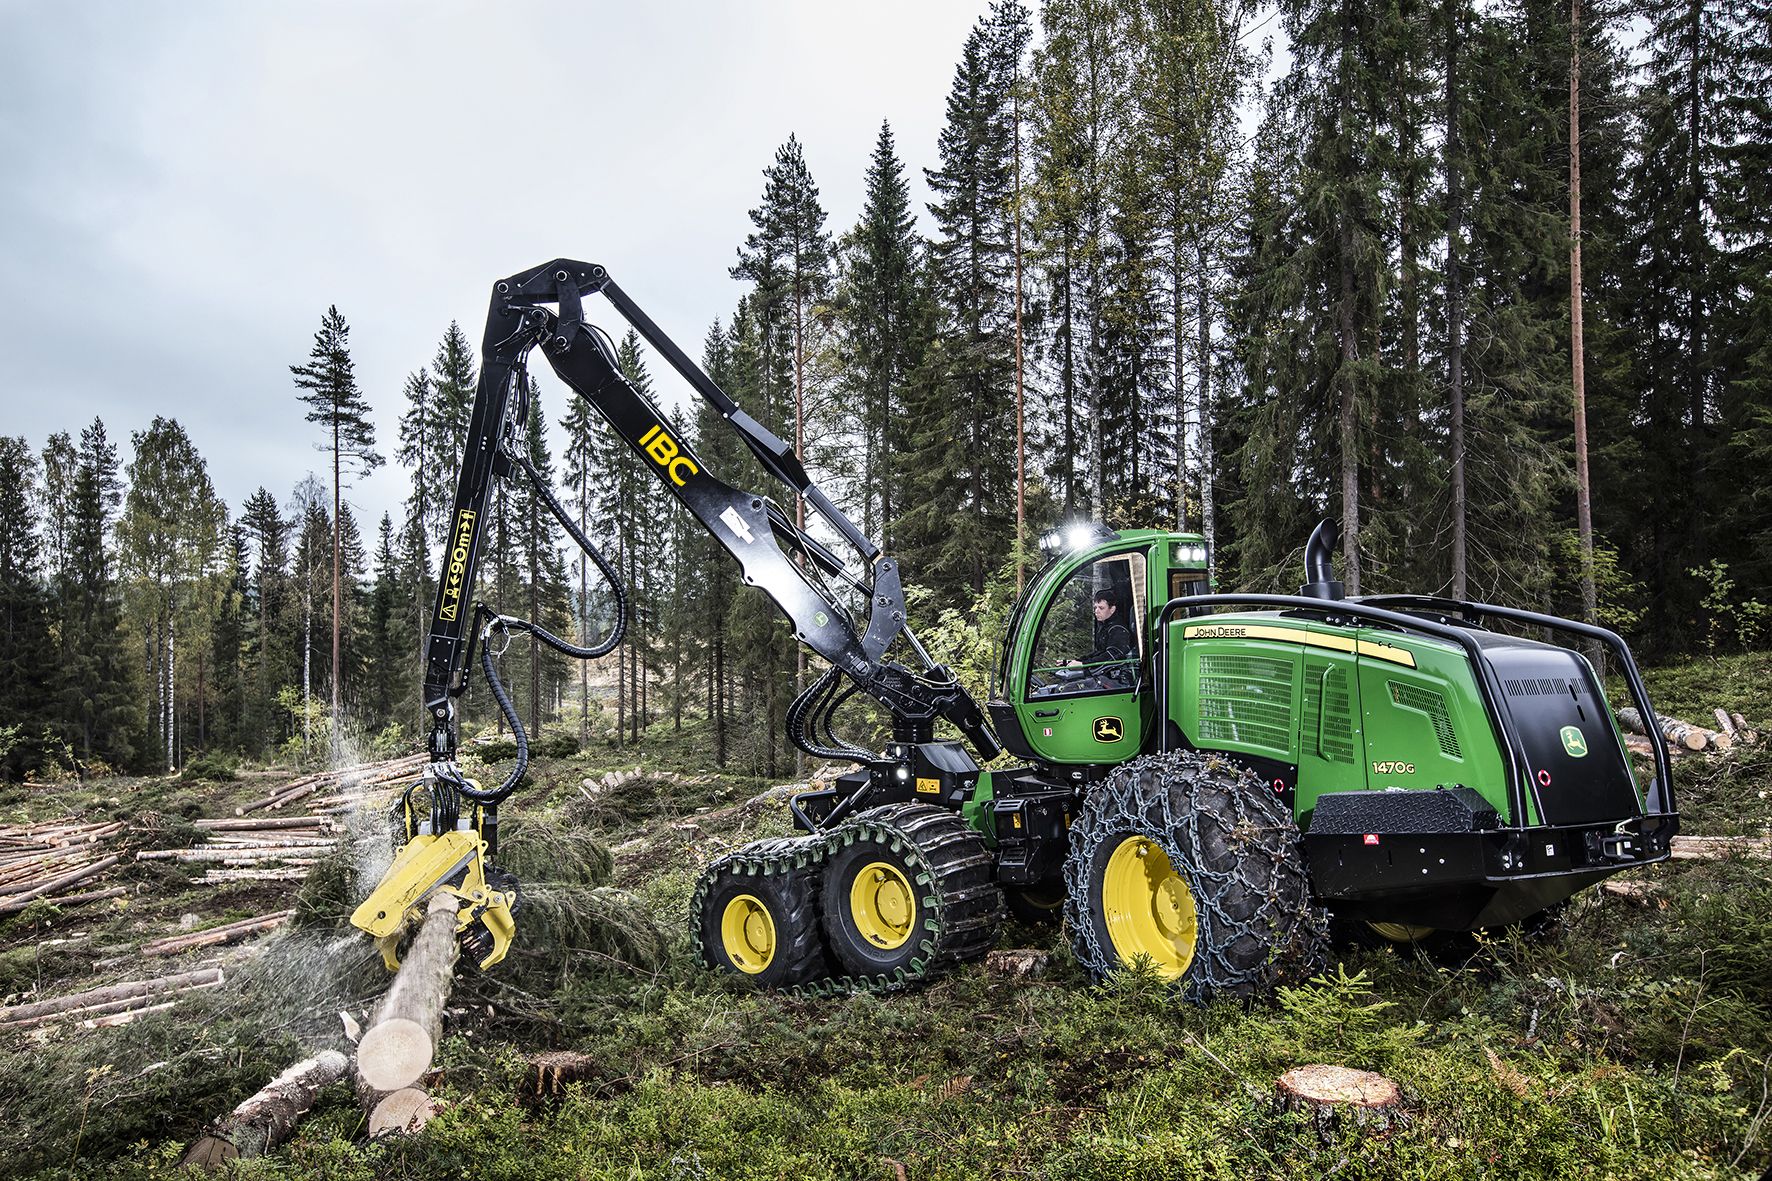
(1201, 777)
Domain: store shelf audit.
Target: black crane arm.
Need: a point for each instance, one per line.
(758, 534)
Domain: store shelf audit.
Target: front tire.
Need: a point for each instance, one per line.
(1191, 863)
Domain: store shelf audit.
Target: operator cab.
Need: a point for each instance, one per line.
(1077, 676)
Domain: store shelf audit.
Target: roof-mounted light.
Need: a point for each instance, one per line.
(1078, 535)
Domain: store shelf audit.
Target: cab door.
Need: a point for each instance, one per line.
(1082, 700)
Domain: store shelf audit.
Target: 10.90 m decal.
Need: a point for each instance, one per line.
(458, 564)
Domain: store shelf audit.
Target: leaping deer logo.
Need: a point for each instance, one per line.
(1108, 730)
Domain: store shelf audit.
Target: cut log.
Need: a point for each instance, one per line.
(277, 852)
(287, 874)
(16, 902)
(268, 1117)
(1635, 893)
(227, 933)
(113, 992)
(1331, 1094)
(261, 823)
(1676, 732)
(1721, 848)
(90, 896)
(404, 1030)
(107, 1012)
(402, 1112)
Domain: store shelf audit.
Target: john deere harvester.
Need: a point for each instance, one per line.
(1201, 777)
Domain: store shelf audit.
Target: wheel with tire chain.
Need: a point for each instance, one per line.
(759, 920)
(1189, 860)
(908, 893)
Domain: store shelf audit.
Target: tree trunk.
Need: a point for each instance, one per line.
(1208, 413)
(1455, 301)
(1583, 505)
(268, 1117)
(397, 1049)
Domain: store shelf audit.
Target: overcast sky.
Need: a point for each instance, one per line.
(185, 187)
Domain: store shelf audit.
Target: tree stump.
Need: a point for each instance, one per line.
(404, 1031)
(268, 1117)
(1332, 1095)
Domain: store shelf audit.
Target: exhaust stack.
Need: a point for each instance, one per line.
(1319, 569)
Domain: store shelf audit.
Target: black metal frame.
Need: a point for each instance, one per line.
(763, 539)
(1657, 800)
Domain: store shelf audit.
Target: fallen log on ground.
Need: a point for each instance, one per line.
(293, 873)
(226, 933)
(268, 1117)
(1721, 848)
(406, 1026)
(129, 990)
(17, 902)
(262, 823)
(1677, 732)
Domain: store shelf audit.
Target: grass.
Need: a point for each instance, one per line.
(1630, 1040)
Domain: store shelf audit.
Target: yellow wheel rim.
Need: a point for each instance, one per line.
(748, 932)
(1401, 932)
(883, 905)
(1148, 907)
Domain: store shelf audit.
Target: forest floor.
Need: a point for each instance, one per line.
(1631, 1039)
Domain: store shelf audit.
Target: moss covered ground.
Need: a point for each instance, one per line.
(1631, 1039)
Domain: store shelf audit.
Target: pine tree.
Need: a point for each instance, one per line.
(389, 662)
(310, 565)
(335, 403)
(421, 449)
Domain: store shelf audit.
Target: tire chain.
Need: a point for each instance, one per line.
(1250, 857)
(966, 912)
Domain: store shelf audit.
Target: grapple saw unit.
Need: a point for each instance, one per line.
(1201, 777)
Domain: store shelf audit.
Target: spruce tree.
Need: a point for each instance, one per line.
(171, 543)
(272, 646)
(880, 320)
(27, 656)
(94, 700)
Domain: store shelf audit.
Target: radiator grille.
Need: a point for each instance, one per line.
(1248, 700)
(1336, 737)
(1433, 705)
(1541, 687)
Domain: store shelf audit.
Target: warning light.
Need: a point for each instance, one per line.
(1371, 838)
(1544, 779)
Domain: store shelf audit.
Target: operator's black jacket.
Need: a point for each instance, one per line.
(1112, 641)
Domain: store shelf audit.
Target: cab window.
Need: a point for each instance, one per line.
(1091, 639)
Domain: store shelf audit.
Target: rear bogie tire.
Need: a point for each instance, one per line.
(908, 893)
(762, 927)
(1190, 861)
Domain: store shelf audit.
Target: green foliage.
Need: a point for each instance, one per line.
(214, 766)
(1732, 621)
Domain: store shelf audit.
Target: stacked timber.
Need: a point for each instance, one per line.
(261, 849)
(48, 859)
(1681, 737)
(341, 790)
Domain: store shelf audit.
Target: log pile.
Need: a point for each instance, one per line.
(341, 790)
(1682, 737)
(267, 849)
(46, 860)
